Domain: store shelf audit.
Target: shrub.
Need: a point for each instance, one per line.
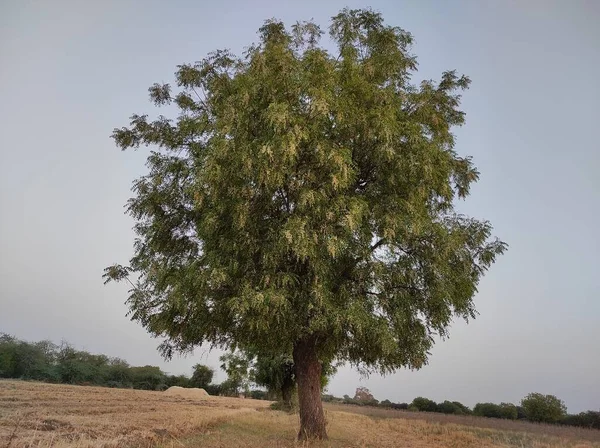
(400, 406)
(543, 408)
(464, 410)
(490, 410)
(424, 404)
(589, 419)
(452, 407)
(509, 411)
(258, 394)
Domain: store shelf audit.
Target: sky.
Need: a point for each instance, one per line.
(72, 71)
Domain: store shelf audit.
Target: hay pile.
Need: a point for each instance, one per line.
(187, 392)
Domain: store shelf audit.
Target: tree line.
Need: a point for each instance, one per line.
(247, 374)
(255, 375)
(62, 363)
(535, 407)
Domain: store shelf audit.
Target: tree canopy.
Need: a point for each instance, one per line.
(303, 202)
(202, 376)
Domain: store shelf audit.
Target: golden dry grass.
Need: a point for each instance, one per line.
(43, 415)
(522, 429)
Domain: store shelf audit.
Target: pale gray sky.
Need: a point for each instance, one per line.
(72, 71)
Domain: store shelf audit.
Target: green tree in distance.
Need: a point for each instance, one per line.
(543, 408)
(302, 201)
(202, 376)
(237, 366)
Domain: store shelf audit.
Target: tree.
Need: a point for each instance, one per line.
(202, 376)
(452, 407)
(237, 367)
(277, 374)
(543, 408)
(509, 411)
(490, 410)
(303, 201)
(424, 404)
(364, 397)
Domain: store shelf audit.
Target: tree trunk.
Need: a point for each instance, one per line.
(308, 374)
(287, 392)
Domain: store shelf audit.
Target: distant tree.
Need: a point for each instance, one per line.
(118, 373)
(180, 381)
(449, 407)
(303, 201)
(424, 404)
(363, 396)
(237, 367)
(202, 376)
(215, 389)
(147, 377)
(400, 406)
(509, 411)
(277, 374)
(463, 410)
(490, 410)
(385, 404)
(588, 419)
(543, 408)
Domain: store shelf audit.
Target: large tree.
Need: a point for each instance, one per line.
(302, 201)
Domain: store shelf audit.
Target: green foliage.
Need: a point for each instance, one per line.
(20, 359)
(461, 409)
(45, 361)
(589, 419)
(543, 408)
(202, 376)
(214, 389)
(491, 410)
(453, 407)
(237, 367)
(258, 394)
(503, 410)
(400, 406)
(424, 405)
(364, 397)
(509, 411)
(301, 194)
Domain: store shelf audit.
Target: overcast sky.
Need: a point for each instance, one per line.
(72, 71)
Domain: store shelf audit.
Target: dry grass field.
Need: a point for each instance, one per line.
(43, 415)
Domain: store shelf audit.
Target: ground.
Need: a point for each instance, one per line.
(44, 415)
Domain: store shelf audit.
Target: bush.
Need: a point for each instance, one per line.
(509, 411)
(213, 389)
(400, 406)
(424, 404)
(464, 410)
(258, 394)
(543, 408)
(490, 410)
(452, 407)
(589, 419)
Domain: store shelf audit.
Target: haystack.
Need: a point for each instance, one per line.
(187, 392)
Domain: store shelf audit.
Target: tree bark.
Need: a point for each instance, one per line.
(308, 374)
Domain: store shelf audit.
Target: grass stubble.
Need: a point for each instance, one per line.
(61, 416)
